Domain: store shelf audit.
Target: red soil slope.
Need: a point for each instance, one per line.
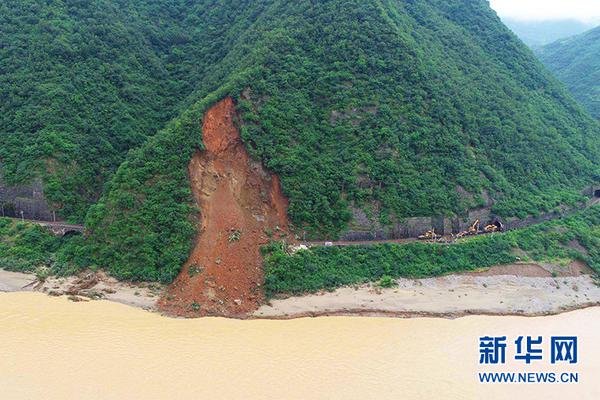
(239, 202)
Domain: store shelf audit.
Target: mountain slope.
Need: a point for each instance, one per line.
(420, 108)
(83, 82)
(576, 62)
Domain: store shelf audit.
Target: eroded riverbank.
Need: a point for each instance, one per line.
(88, 286)
(520, 289)
(449, 296)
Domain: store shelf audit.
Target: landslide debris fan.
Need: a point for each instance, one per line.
(396, 108)
(242, 209)
(576, 62)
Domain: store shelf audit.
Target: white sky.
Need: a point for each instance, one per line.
(540, 10)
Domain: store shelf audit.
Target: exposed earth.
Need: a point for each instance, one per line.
(241, 208)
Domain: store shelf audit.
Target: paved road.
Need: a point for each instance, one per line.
(360, 243)
(53, 224)
(444, 241)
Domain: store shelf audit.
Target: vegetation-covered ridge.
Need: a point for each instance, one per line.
(576, 62)
(420, 108)
(540, 33)
(399, 108)
(83, 82)
(574, 238)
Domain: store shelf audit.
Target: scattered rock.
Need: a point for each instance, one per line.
(77, 299)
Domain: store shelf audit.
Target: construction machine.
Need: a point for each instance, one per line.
(474, 229)
(491, 229)
(494, 227)
(471, 231)
(429, 235)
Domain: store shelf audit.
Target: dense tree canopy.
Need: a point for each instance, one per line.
(576, 62)
(83, 82)
(395, 107)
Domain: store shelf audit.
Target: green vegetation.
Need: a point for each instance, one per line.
(83, 82)
(235, 236)
(387, 281)
(387, 104)
(576, 62)
(420, 108)
(26, 247)
(195, 270)
(331, 267)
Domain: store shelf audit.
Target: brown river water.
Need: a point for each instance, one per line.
(51, 348)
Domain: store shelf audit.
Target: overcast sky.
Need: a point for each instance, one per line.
(541, 10)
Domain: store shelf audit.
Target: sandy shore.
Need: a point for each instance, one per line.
(519, 289)
(96, 286)
(526, 289)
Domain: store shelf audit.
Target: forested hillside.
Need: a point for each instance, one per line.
(394, 107)
(399, 108)
(82, 82)
(576, 62)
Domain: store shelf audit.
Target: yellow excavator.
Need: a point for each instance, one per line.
(495, 227)
(429, 235)
(491, 229)
(472, 231)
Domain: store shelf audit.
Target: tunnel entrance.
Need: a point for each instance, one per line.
(72, 233)
(597, 194)
(8, 210)
(498, 224)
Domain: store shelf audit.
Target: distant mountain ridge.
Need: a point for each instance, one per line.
(576, 62)
(540, 33)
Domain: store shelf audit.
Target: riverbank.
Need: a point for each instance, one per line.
(518, 289)
(54, 349)
(85, 287)
(526, 289)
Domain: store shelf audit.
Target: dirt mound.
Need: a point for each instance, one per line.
(241, 205)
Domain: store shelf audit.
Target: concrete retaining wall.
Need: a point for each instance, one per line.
(363, 229)
(28, 199)
(413, 227)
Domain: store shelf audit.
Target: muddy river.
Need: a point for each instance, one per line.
(51, 348)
